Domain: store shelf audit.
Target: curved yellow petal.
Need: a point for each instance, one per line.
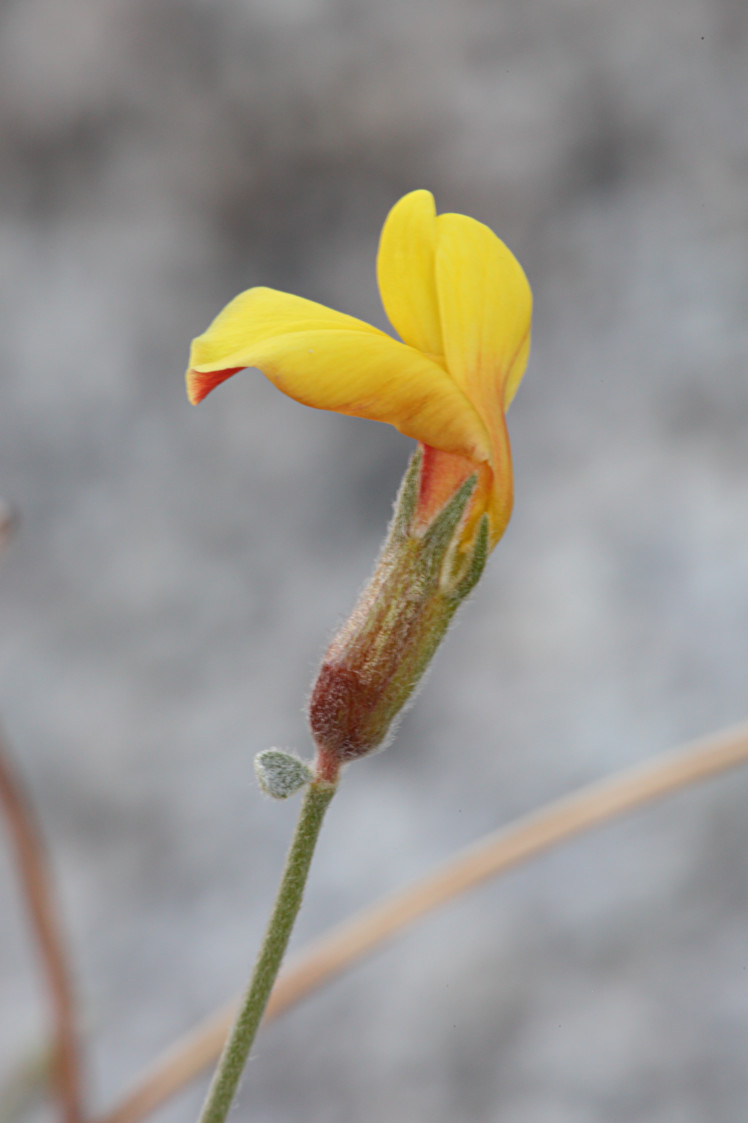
(500, 497)
(260, 314)
(405, 272)
(485, 305)
(332, 361)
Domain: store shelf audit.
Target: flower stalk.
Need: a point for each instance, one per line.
(287, 903)
(461, 304)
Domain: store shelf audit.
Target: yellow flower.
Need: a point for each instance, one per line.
(461, 304)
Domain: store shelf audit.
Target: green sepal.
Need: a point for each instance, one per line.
(280, 774)
(476, 565)
(406, 501)
(440, 535)
(376, 660)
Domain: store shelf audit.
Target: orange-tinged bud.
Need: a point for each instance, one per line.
(373, 666)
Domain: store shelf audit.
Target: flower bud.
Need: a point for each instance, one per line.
(377, 659)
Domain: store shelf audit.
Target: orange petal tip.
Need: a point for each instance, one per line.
(200, 383)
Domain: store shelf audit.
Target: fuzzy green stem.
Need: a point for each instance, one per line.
(287, 903)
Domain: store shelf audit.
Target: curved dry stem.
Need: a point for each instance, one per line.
(36, 884)
(502, 850)
(37, 889)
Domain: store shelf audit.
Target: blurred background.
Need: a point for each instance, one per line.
(178, 571)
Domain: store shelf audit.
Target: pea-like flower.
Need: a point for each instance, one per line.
(461, 305)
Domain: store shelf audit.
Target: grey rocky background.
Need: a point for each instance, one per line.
(179, 569)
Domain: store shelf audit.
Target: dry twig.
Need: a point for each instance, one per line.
(532, 835)
(36, 884)
(37, 889)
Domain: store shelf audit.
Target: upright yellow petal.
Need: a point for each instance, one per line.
(405, 272)
(332, 361)
(486, 305)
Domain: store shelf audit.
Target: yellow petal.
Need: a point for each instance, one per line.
(485, 305)
(332, 361)
(500, 498)
(260, 314)
(405, 272)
